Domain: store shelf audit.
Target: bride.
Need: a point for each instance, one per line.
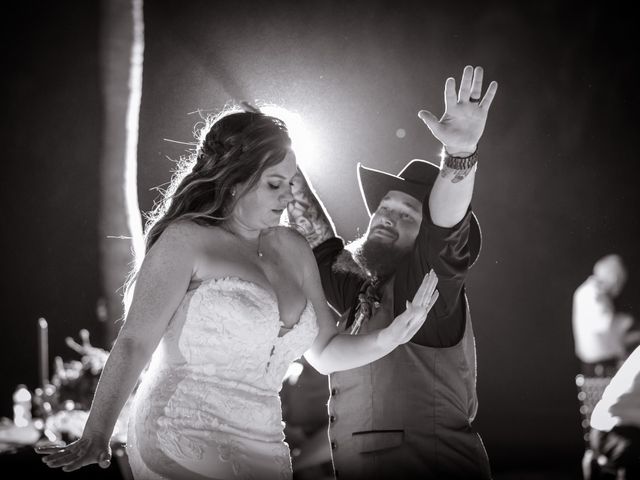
(223, 302)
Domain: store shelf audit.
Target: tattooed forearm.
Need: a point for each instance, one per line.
(457, 168)
(306, 213)
(454, 174)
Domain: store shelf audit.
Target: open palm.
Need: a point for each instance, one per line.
(465, 114)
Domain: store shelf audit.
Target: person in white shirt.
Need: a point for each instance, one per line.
(615, 421)
(599, 330)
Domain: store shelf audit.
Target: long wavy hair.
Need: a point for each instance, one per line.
(234, 148)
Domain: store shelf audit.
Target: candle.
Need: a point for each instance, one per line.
(43, 352)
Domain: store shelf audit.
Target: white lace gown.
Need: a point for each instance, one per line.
(208, 406)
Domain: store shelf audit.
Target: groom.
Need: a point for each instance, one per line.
(408, 415)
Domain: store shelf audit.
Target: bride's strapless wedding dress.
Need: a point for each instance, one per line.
(208, 406)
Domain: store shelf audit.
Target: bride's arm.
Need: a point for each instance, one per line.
(333, 351)
(160, 286)
(161, 283)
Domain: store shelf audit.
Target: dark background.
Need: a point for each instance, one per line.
(555, 188)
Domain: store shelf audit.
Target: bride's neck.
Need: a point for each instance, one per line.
(239, 229)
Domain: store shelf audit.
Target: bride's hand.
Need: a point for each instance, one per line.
(77, 454)
(405, 325)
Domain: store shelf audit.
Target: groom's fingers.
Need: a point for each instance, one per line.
(450, 96)
(476, 85)
(488, 97)
(465, 83)
(429, 119)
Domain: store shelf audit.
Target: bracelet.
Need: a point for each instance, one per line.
(460, 163)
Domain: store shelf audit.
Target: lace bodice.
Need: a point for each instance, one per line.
(216, 373)
(227, 329)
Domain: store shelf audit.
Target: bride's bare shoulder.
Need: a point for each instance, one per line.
(286, 237)
(193, 234)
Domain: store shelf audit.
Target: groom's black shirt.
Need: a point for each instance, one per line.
(443, 249)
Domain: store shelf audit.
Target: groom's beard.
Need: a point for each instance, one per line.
(379, 258)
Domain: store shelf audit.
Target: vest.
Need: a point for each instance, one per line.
(407, 415)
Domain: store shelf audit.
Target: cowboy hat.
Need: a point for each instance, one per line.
(415, 179)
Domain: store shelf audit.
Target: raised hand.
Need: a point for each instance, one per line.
(407, 324)
(77, 454)
(465, 113)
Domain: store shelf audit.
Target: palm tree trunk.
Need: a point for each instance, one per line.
(122, 48)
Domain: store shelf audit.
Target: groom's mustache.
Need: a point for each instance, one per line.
(389, 230)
